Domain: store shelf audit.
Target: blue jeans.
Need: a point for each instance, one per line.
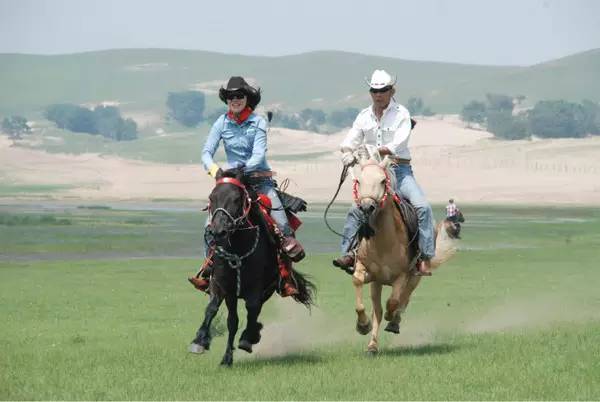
(266, 186)
(408, 188)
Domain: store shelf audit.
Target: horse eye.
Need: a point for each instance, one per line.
(383, 181)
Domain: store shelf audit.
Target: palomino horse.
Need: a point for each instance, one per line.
(386, 257)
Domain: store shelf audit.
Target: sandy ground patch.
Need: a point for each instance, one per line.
(449, 161)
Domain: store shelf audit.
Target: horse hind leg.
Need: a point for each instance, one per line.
(393, 302)
(201, 342)
(251, 335)
(394, 315)
(394, 325)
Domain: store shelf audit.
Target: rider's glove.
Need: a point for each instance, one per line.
(348, 159)
(213, 171)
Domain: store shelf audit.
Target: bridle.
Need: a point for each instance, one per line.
(234, 260)
(245, 208)
(387, 191)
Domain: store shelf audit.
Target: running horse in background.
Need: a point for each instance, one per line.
(246, 263)
(452, 226)
(386, 253)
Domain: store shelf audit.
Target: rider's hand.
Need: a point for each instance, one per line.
(214, 170)
(348, 159)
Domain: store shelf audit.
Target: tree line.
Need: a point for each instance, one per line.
(187, 108)
(547, 119)
(498, 113)
(102, 120)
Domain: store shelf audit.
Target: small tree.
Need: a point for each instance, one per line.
(500, 103)
(186, 107)
(474, 112)
(556, 119)
(15, 126)
(103, 120)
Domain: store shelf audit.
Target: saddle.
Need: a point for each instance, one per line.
(409, 216)
(291, 206)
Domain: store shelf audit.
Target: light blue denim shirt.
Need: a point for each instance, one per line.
(245, 144)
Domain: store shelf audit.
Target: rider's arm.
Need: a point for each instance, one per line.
(260, 146)
(354, 137)
(402, 133)
(210, 147)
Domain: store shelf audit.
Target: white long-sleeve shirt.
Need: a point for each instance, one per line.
(392, 131)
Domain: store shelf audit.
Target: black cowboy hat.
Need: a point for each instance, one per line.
(239, 84)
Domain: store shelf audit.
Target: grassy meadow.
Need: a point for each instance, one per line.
(94, 304)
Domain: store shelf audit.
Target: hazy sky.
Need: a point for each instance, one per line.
(466, 31)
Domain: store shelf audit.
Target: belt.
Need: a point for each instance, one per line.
(264, 173)
(399, 161)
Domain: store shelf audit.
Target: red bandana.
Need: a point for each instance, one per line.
(244, 114)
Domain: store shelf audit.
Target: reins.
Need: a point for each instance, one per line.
(234, 260)
(342, 179)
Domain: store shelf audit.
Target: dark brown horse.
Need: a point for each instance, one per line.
(245, 264)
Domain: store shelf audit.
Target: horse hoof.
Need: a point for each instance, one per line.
(393, 327)
(245, 345)
(364, 329)
(227, 362)
(372, 352)
(195, 348)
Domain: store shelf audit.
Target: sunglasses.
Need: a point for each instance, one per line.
(235, 95)
(380, 90)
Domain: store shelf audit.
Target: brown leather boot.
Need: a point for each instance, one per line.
(200, 283)
(202, 279)
(345, 262)
(293, 249)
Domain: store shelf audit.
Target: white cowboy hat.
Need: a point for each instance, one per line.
(380, 79)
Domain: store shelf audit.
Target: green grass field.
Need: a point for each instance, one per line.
(101, 309)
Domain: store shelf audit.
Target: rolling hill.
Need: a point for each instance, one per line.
(139, 79)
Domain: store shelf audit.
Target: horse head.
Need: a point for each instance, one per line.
(229, 205)
(373, 184)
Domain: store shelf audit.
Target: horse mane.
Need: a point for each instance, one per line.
(234, 173)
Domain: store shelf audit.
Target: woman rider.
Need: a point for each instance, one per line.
(244, 136)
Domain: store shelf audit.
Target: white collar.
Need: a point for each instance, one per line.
(390, 105)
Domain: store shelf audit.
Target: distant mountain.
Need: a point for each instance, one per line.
(140, 79)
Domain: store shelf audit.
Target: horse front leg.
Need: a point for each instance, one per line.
(201, 342)
(363, 324)
(373, 346)
(251, 334)
(232, 326)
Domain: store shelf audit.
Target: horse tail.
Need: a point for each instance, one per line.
(306, 289)
(445, 247)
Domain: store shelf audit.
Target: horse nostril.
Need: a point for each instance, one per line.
(367, 208)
